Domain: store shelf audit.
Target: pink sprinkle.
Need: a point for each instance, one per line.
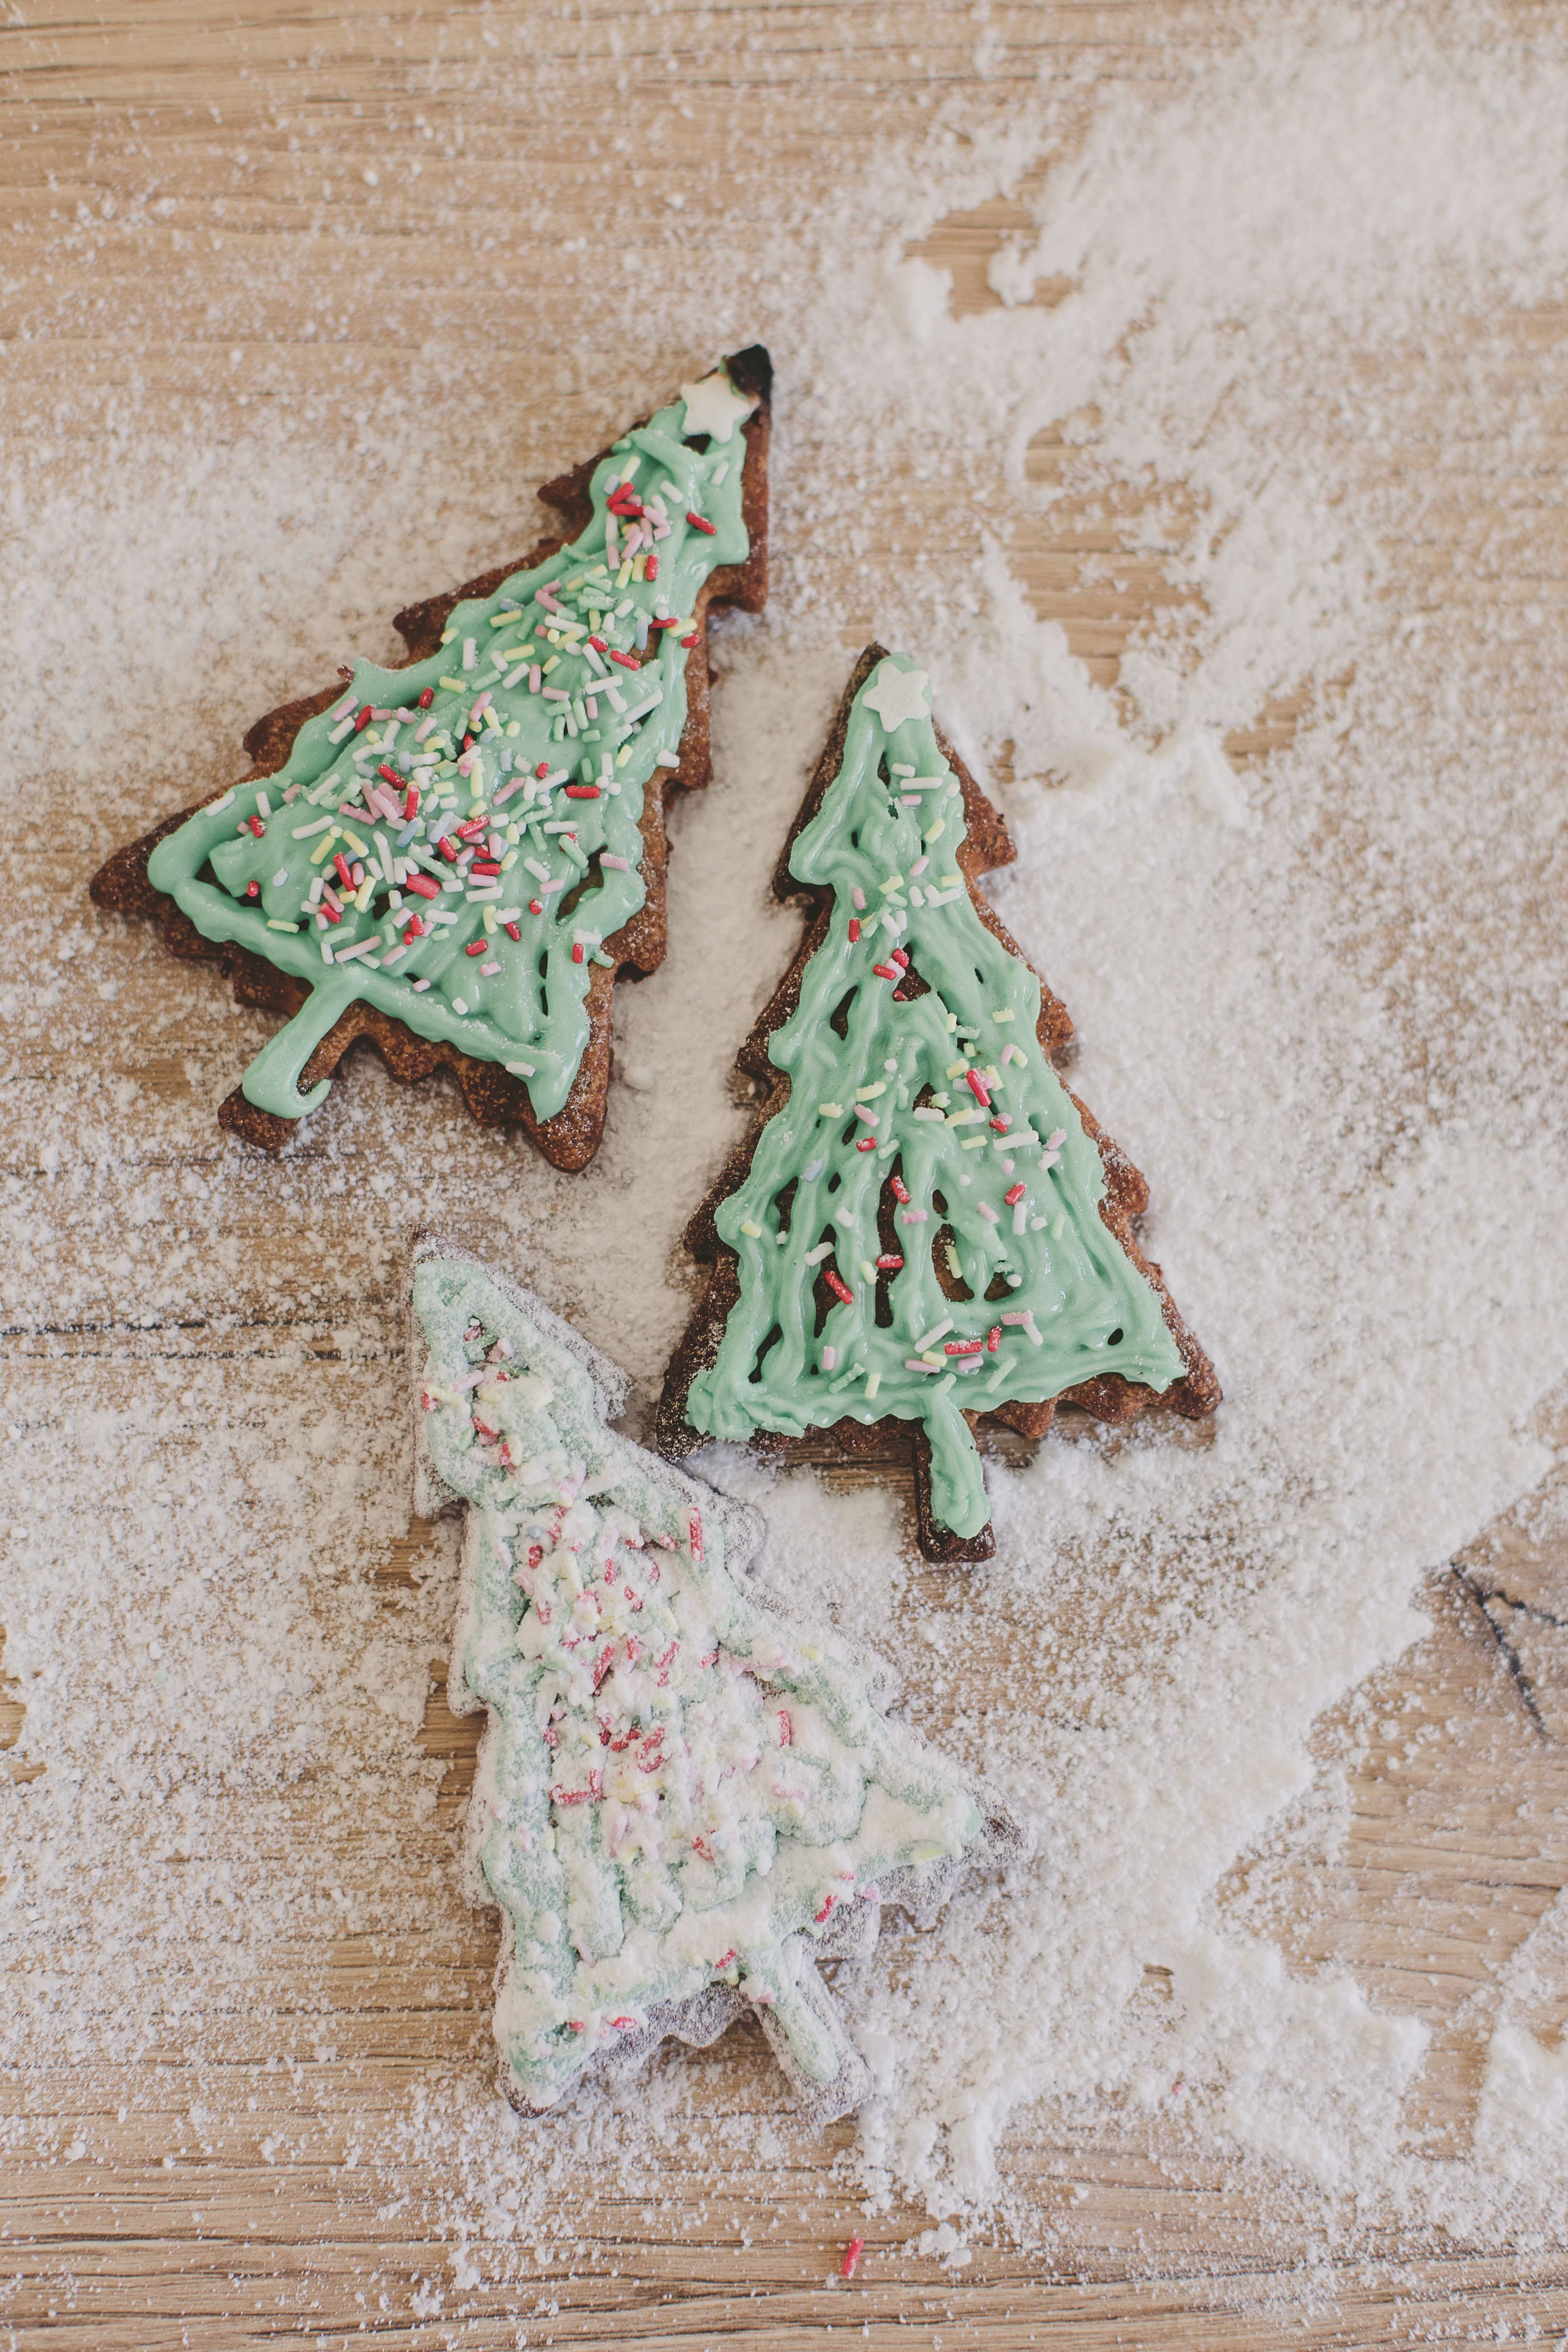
(695, 1523)
(852, 2254)
(786, 1729)
(621, 865)
(859, 898)
(1055, 1142)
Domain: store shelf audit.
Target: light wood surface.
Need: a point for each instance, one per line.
(250, 130)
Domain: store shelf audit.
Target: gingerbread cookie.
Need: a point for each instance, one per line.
(684, 1799)
(926, 1227)
(453, 859)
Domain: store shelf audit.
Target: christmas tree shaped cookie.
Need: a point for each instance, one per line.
(684, 1799)
(454, 857)
(926, 1227)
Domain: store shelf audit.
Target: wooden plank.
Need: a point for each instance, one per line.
(203, 2192)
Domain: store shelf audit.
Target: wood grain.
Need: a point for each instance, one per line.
(254, 132)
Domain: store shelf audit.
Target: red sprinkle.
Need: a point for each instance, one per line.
(852, 2254)
(578, 952)
(839, 1288)
(581, 792)
(257, 827)
(362, 720)
(428, 697)
(691, 641)
(699, 524)
(993, 1339)
(961, 1347)
(511, 931)
(475, 947)
(476, 824)
(424, 884)
(854, 930)
(694, 1528)
(252, 889)
(901, 1190)
(868, 1144)
(448, 848)
(628, 661)
(1014, 1196)
(411, 805)
(331, 912)
(535, 907)
(390, 772)
(786, 1729)
(650, 570)
(826, 1909)
(415, 931)
(978, 1087)
(486, 868)
(543, 768)
(901, 956)
(886, 971)
(892, 1263)
(340, 868)
(666, 621)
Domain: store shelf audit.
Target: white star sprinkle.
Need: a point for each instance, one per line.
(714, 406)
(898, 695)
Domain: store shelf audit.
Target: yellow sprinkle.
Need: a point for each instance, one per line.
(867, 1270)
(829, 1110)
(624, 574)
(956, 1069)
(515, 653)
(509, 860)
(323, 847)
(752, 1233)
(869, 1094)
(274, 925)
(499, 620)
(873, 1383)
(934, 832)
(512, 726)
(549, 665)
(622, 755)
(637, 563)
(973, 1143)
(447, 636)
(354, 843)
(628, 470)
(365, 892)
(894, 882)
(453, 684)
(1007, 1015)
(489, 918)
(492, 722)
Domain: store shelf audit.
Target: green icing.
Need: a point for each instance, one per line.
(680, 1788)
(1040, 1282)
(521, 998)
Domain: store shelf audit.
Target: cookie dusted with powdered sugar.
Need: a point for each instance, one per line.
(685, 1798)
(454, 858)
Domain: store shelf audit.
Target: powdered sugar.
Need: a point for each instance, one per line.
(1318, 1002)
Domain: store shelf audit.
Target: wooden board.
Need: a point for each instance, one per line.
(138, 2214)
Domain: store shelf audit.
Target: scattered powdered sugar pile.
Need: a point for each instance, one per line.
(1303, 1009)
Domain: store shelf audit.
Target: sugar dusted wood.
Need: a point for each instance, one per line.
(1445, 1874)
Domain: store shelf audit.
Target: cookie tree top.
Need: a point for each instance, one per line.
(922, 1228)
(454, 842)
(684, 1799)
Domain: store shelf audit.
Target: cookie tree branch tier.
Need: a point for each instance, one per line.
(684, 1800)
(454, 857)
(927, 1226)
